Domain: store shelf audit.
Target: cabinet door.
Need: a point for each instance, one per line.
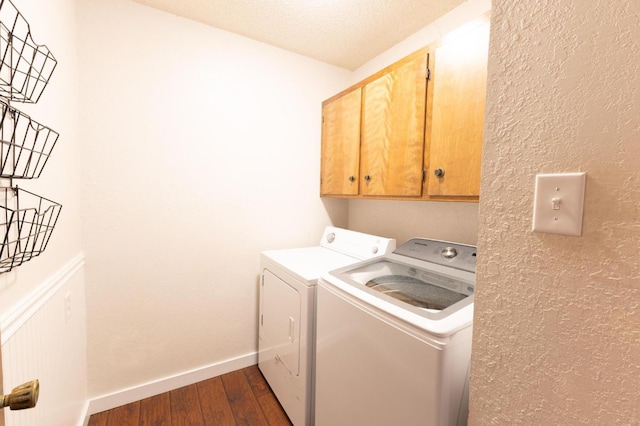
(392, 142)
(457, 118)
(340, 144)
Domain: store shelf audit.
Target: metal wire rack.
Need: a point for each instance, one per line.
(25, 145)
(27, 226)
(25, 67)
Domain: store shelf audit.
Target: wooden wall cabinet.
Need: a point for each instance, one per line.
(340, 157)
(456, 114)
(373, 134)
(413, 130)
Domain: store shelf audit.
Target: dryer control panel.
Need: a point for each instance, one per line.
(454, 255)
(356, 244)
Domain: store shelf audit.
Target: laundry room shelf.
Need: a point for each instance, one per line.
(25, 67)
(27, 225)
(25, 145)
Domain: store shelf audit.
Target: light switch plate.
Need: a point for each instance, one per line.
(559, 203)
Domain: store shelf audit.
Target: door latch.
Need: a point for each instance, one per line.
(22, 397)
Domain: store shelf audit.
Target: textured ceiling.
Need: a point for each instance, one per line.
(346, 33)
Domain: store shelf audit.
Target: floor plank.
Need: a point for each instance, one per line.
(244, 405)
(256, 380)
(125, 415)
(273, 410)
(242, 397)
(185, 407)
(213, 401)
(156, 410)
(99, 419)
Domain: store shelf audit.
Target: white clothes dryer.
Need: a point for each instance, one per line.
(286, 336)
(393, 338)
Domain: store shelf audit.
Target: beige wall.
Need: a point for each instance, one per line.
(557, 326)
(201, 149)
(402, 220)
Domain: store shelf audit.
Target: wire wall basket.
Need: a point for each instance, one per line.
(25, 67)
(27, 226)
(25, 145)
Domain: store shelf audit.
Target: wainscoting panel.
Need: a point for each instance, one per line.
(45, 339)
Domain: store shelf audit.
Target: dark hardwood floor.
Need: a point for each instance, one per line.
(241, 397)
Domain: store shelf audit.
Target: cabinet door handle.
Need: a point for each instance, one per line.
(352, 178)
(439, 172)
(367, 178)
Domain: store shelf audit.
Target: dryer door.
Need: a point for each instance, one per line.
(280, 321)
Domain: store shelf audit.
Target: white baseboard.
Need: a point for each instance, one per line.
(136, 393)
(84, 418)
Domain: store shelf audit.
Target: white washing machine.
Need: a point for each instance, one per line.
(393, 338)
(286, 344)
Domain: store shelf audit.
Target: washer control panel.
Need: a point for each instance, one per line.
(449, 252)
(455, 255)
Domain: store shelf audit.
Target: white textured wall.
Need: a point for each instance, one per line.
(557, 326)
(201, 149)
(402, 220)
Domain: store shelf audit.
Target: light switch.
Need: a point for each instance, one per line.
(558, 203)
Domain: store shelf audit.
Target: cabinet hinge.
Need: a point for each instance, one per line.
(428, 73)
(261, 319)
